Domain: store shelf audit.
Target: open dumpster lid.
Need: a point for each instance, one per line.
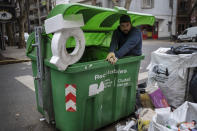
(98, 22)
(101, 19)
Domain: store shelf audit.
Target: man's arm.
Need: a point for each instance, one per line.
(129, 44)
(114, 42)
(113, 45)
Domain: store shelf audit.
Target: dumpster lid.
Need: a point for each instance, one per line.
(99, 18)
(99, 23)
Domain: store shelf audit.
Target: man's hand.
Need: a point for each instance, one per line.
(111, 58)
(110, 55)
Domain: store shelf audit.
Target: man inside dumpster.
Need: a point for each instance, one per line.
(126, 41)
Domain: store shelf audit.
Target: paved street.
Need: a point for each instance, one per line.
(17, 100)
(17, 97)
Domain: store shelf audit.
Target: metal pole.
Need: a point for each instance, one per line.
(39, 77)
(43, 79)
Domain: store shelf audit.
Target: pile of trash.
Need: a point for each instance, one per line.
(153, 113)
(183, 118)
(162, 103)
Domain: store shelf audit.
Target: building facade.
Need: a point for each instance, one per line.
(186, 14)
(193, 13)
(100, 3)
(148, 31)
(183, 19)
(38, 11)
(165, 13)
(7, 22)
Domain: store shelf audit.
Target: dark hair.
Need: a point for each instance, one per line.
(125, 18)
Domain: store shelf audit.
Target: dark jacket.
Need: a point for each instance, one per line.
(125, 45)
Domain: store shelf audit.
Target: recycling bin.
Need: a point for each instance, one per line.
(90, 93)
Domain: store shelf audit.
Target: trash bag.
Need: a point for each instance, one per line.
(193, 86)
(170, 73)
(187, 112)
(172, 86)
(184, 49)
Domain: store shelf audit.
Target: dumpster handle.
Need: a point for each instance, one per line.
(40, 76)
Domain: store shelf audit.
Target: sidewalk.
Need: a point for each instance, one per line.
(167, 41)
(13, 54)
(151, 41)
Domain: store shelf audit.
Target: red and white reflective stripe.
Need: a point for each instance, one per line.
(70, 95)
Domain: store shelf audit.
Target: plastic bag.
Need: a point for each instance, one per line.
(184, 49)
(156, 95)
(170, 73)
(143, 125)
(158, 99)
(186, 112)
(145, 116)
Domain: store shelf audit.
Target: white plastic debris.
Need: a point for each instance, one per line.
(146, 114)
(164, 120)
(129, 125)
(126, 127)
(42, 119)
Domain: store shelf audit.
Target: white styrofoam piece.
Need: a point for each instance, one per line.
(58, 22)
(61, 58)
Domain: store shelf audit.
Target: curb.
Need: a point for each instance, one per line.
(4, 62)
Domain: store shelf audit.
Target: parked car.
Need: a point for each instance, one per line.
(190, 34)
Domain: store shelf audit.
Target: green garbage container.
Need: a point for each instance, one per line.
(90, 93)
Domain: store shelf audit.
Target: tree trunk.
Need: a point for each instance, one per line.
(94, 2)
(48, 6)
(193, 8)
(10, 34)
(127, 4)
(21, 33)
(21, 22)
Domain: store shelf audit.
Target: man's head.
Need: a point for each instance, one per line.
(125, 24)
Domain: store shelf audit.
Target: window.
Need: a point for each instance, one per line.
(147, 4)
(182, 5)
